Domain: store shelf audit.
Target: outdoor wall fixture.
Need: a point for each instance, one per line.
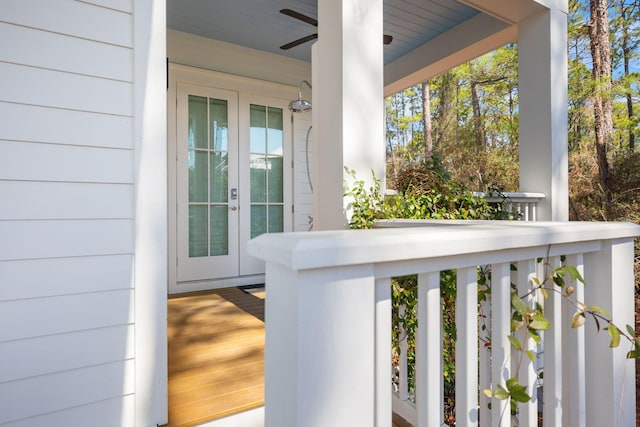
(300, 105)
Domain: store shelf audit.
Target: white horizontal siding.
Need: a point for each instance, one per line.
(37, 86)
(62, 200)
(73, 18)
(41, 124)
(39, 395)
(58, 315)
(37, 278)
(55, 51)
(26, 358)
(53, 162)
(64, 238)
(121, 5)
(67, 186)
(107, 413)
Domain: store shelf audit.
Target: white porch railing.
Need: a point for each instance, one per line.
(328, 322)
(525, 204)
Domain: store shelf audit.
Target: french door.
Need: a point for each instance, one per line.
(232, 184)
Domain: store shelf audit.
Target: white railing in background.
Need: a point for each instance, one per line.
(524, 204)
(328, 328)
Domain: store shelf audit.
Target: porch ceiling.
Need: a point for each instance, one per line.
(258, 24)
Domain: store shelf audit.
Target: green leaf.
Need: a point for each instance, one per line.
(615, 335)
(511, 383)
(531, 356)
(597, 309)
(631, 331)
(535, 336)
(501, 393)
(487, 392)
(539, 322)
(514, 342)
(558, 280)
(519, 394)
(518, 391)
(574, 273)
(633, 354)
(518, 305)
(597, 323)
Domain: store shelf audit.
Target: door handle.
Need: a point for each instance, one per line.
(233, 208)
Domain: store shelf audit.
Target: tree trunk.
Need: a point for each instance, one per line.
(602, 105)
(626, 54)
(426, 119)
(478, 125)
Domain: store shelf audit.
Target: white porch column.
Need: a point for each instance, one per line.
(543, 111)
(348, 103)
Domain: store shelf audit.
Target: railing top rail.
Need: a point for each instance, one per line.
(401, 240)
(511, 196)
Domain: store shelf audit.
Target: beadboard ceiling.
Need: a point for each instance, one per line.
(258, 24)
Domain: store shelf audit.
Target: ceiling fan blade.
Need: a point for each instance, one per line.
(387, 39)
(299, 41)
(300, 16)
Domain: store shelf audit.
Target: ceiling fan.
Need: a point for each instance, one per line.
(311, 21)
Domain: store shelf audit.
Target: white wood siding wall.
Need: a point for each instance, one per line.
(302, 194)
(66, 213)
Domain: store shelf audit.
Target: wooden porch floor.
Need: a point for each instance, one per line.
(216, 355)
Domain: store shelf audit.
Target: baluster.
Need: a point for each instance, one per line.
(500, 345)
(403, 362)
(573, 357)
(552, 392)
(429, 397)
(383, 352)
(527, 208)
(467, 347)
(526, 371)
(485, 360)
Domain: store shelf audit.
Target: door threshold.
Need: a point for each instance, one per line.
(250, 418)
(226, 282)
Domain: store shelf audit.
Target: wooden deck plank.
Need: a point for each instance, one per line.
(216, 355)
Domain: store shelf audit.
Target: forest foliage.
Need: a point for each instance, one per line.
(471, 119)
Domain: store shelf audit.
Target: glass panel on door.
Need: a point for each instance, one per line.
(266, 169)
(208, 177)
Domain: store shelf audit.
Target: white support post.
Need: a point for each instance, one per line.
(150, 272)
(467, 347)
(429, 397)
(320, 355)
(349, 110)
(610, 376)
(542, 49)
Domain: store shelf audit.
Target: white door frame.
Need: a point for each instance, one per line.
(252, 91)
